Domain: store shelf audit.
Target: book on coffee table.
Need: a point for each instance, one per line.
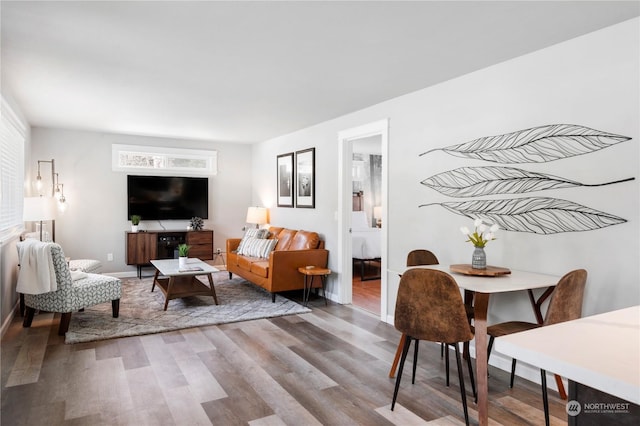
(190, 269)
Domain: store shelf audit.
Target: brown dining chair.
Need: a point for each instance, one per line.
(565, 305)
(429, 307)
(421, 257)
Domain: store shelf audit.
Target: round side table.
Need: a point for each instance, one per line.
(310, 272)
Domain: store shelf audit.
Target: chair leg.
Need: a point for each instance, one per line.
(415, 361)
(29, 312)
(463, 392)
(115, 307)
(65, 319)
(471, 376)
(545, 398)
(446, 362)
(230, 275)
(405, 350)
(491, 338)
(513, 372)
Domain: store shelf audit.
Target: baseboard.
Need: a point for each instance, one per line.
(9, 319)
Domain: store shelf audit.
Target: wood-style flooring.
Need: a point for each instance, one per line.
(328, 367)
(366, 294)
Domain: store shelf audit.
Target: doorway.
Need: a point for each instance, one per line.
(366, 222)
(363, 179)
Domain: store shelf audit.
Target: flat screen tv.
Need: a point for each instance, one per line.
(167, 197)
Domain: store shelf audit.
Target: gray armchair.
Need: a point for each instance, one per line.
(72, 295)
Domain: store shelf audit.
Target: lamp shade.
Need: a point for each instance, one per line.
(257, 215)
(39, 208)
(377, 212)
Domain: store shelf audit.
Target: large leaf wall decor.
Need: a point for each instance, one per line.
(536, 145)
(534, 215)
(480, 181)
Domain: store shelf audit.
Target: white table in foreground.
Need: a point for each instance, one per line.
(482, 287)
(600, 351)
(177, 283)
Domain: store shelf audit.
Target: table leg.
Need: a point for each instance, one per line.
(394, 365)
(169, 285)
(481, 305)
(155, 279)
(213, 290)
(305, 296)
(323, 280)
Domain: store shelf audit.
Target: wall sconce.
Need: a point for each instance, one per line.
(257, 215)
(39, 183)
(57, 188)
(62, 201)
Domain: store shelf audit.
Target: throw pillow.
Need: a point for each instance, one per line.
(258, 247)
(252, 233)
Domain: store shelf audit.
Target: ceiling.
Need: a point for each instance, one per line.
(249, 71)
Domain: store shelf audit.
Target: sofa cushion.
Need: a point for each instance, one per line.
(260, 268)
(284, 239)
(304, 240)
(244, 262)
(257, 247)
(274, 231)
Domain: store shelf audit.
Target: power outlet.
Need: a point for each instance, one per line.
(109, 257)
(218, 251)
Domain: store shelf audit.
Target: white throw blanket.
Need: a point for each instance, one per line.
(37, 274)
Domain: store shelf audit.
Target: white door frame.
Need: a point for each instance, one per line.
(345, 139)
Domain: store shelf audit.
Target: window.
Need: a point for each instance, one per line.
(12, 140)
(160, 160)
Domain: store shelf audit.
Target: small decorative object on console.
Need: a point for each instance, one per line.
(197, 223)
(135, 221)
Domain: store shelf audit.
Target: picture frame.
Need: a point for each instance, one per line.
(306, 178)
(285, 180)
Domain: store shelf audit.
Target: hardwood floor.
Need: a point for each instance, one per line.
(366, 294)
(326, 367)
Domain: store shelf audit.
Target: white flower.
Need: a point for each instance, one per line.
(481, 233)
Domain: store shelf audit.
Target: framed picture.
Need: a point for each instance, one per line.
(306, 178)
(285, 180)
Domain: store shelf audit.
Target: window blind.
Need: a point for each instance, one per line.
(12, 142)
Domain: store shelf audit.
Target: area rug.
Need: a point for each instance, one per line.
(141, 311)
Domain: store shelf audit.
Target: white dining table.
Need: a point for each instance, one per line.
(482, 288)
(600, 351)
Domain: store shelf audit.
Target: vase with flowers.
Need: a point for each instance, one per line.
(480, 236)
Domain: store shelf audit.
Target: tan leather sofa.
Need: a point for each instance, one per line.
(280, 271)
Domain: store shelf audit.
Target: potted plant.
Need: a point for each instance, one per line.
(183, 255)
(135, 221)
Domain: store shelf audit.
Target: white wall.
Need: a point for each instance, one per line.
(96, 220)
(592, 81)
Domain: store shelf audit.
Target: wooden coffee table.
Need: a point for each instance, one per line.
(176, 283)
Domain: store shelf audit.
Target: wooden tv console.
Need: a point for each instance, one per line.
(144, 246)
